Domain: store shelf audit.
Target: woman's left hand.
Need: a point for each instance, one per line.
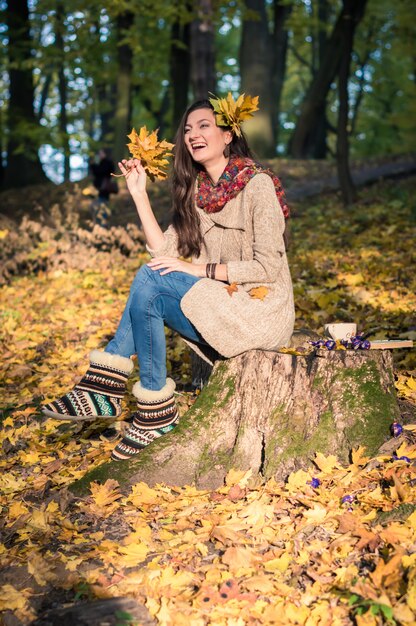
(171, 264)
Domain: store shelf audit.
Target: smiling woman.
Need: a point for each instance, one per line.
(233, 294)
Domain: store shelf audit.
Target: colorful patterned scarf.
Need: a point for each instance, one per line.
(212, 198)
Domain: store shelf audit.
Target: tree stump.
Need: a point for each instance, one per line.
(270, 412)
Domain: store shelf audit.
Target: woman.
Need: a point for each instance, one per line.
(234, 295)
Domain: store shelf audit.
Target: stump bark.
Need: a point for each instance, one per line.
(270, 412)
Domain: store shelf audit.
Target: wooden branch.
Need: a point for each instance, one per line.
(301, 58)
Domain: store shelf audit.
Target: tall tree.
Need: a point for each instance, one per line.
(180, 68)
(279, 48)
(62, 87)
(203, 51)
(349, 25)
(122, 113)
(255, 63)
(24, 133)
(319, 145)
(263, 53)
(302, 141)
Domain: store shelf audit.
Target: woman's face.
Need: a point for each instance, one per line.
(204, 140)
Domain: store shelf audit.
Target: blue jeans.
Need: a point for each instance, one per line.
(154, 302)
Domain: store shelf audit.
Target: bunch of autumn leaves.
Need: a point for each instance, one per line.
(154, 154)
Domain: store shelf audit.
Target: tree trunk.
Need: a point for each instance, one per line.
(344, 174)
(362, 62)
(106, 99)
(279, 45)
(47, 82)
(203, 51)
(62, 88)
(256, 76)
(180, 70)
(318, 142)
(270, 412)
(23, 164)
(302, 141)
(122, 116)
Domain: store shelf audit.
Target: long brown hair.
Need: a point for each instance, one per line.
(185, 170)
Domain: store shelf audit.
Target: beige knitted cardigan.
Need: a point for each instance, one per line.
(246, 235)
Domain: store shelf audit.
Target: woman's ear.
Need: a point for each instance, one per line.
(228, 137)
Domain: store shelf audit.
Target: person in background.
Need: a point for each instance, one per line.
(233, 294)
(105, 185)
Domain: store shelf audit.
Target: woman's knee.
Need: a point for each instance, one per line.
(145, 291)
(143, 275)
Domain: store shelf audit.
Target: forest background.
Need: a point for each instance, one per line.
(77, 75)
(337, 91)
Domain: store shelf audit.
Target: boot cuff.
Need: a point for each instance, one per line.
(112, 360)
(149, 395)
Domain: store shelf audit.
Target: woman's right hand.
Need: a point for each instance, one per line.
(134, 174)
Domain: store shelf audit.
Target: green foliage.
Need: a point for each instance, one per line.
(361, 606)
(382, 85)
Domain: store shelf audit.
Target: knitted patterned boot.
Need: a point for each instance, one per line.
(98, 395)
(156, 415)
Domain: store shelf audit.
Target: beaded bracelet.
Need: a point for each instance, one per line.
(210, 270)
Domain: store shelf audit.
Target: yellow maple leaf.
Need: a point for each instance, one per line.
(29, 458)
(411, 595)
(316, 515)
(358, 458)
(280, 564)
(39, 520)
(151, 152)
(259, 293)
(239, 556)
(16, 509)
(141, 533)
(298, 480)
(411, 383)
(409, 561)
(232, 113)
(396, 534)
(73, 563)
(133, 553)
(261, 583)
(104, 497)
(230, 532)
(412, 520)
(12, 599)
(10, 484)
(231, 288)
(406, 450)
(366, 619)
(294, 352)
(238, 477)
(257, 512)
(40, 569)
(326, 463)
(403, 615)
(176, 581)
(143, 494)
